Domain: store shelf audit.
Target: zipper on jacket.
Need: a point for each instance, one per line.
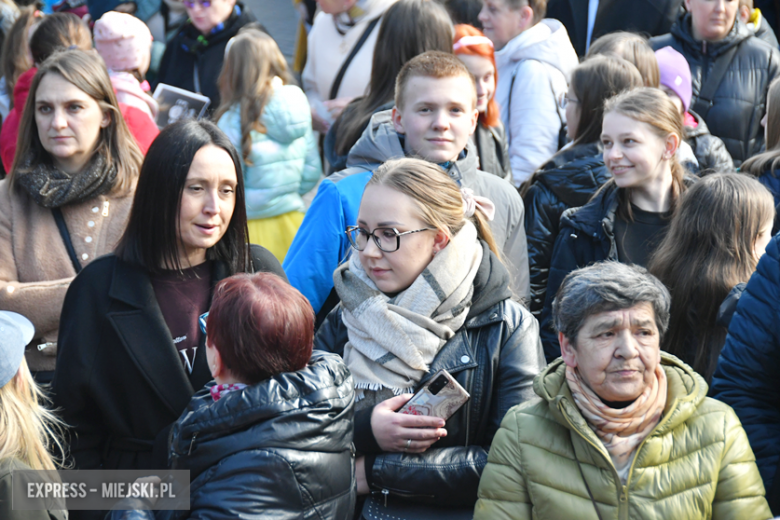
(192, 442)
(105, 208)
(385, 493)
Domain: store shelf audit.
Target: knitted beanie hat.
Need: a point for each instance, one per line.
(675, 73)
(123, 41)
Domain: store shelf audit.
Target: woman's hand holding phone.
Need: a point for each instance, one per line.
(393, 430)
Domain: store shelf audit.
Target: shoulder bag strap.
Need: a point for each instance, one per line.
(704, 102)
(63, 228)
(587, 487)
(334, 88)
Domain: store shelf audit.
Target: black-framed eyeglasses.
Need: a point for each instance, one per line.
(189, 4)
(386, 239)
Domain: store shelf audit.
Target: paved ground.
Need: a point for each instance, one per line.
(281, 20)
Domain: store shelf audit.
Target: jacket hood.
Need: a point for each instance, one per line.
(286, 115)
(22, 89)
(686, 392)
(307, 410)
(380, 143)
(682, 30)
(547, 42)
(701, 127)
(573, 172)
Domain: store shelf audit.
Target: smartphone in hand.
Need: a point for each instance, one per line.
(442, 396)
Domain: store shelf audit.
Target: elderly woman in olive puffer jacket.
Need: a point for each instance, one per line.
(622, 430)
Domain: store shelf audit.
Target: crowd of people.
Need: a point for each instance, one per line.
(568, 208)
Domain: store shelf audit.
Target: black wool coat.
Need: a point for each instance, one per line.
(119, 380)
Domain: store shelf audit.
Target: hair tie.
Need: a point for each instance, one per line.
(467, 41)
(472, 202)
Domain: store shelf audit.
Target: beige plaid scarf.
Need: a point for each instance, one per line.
(392, 341)
(620, 430)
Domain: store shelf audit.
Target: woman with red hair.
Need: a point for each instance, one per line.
(475, 50)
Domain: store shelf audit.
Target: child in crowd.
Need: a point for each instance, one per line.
(709, 152)
(475, 50)
(434, 114)
(627, 219)
(268, 119)
(534, 58)
(571, 177)
(756, 22)
(717, 235)
(125, 44)
(29, 430)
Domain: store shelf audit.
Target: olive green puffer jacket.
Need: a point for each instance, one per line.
(695, 464)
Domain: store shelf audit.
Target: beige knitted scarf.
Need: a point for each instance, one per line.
(620, 430)
(393, 340)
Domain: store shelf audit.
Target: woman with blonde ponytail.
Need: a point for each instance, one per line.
(425, 290)
(28, 431)
(630, 215)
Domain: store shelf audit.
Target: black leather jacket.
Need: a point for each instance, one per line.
(495, 357)
(740, 101)
(568, 180)
(279, 449)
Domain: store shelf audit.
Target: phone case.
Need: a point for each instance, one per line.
(443, 405)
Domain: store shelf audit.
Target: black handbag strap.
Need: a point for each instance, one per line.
(334, 88)
(63, 228)
(704, 102)
(587, 487)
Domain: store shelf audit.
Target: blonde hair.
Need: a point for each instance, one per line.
(437, 197)
(653, 107)
(770, 159)
(87, 72)
(253, 60)
(28, 431)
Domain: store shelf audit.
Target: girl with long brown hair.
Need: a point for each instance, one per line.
(629, 216)
(571, 177)
(718, 233)
(267, 117)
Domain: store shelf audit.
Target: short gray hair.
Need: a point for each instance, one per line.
(604, 287)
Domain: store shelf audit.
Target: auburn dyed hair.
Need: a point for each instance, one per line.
(261, 325)
(491, 117)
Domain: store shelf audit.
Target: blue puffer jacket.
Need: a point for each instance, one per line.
(748, 373)
(285, 160)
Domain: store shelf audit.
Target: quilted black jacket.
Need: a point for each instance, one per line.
(739, 102)
(568, 180)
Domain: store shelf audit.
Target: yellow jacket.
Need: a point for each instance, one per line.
(696, 463)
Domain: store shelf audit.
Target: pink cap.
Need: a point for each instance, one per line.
(123, 41)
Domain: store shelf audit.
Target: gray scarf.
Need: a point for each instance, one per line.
(52, 188)
(392, 341)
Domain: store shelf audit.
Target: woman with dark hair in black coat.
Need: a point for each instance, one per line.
(130, 351)
(731, 72)
(571, 177)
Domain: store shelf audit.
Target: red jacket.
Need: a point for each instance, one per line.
(10, 129)
(141, 126)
